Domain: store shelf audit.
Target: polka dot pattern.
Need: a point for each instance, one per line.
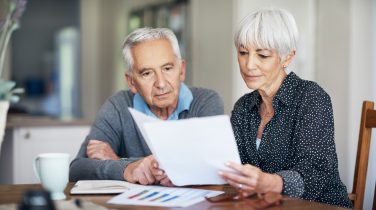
(298, 142)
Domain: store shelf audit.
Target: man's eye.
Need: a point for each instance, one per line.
(169, 68)
(146, 73)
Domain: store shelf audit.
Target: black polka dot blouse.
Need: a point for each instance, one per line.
(298, 142)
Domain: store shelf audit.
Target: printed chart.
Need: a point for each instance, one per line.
(162, 196)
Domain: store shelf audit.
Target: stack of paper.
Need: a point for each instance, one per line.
(191, 151)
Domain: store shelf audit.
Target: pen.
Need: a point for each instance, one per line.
(78, 203)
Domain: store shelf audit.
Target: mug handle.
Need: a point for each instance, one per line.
(36, 166)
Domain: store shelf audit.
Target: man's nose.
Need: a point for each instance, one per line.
(160, 81)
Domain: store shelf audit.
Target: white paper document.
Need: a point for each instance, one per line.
(191, 151)
(161, 196)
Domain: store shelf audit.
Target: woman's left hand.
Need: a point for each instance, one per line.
(250, 179)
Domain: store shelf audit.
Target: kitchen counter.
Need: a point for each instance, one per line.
(42, 121)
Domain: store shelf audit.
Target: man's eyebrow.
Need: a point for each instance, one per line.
(168, 64)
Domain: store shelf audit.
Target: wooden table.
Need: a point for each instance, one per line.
(13, 194)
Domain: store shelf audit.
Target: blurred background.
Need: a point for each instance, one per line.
(67, 55)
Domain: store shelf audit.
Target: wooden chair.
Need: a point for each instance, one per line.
(367, 122)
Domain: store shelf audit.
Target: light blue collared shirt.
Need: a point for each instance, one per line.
(184, 102)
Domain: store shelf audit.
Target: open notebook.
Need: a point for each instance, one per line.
(99, 187)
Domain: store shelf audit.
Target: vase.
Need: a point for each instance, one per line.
(4, 106)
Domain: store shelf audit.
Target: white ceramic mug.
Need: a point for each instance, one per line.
(52, 170)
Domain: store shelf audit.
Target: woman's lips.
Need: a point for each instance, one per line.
(251, 77)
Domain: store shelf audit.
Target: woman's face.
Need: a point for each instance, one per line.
(260, 67)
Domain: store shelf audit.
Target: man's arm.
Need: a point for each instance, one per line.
(140, 171)
(85, 168)
(206, 102)
(100, 150)
(112, 125)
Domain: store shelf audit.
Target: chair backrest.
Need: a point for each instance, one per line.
(367, 122)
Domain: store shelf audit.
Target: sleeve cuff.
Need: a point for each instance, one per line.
(293, 184)
(123, 164)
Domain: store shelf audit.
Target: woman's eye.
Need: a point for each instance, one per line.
(241, 52)
(262, 56)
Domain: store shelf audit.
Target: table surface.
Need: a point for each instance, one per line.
(13, 194)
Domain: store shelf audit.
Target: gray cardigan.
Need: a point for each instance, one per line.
(115, 125)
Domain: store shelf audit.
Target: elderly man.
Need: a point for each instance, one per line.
(115, 148)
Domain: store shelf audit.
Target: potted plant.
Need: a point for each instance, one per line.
(10, 13)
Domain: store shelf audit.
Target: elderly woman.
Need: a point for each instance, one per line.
(284, 129)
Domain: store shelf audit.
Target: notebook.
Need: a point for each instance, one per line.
(99, 187)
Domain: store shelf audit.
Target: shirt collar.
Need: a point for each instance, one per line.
(284, 94)
(184, 102)
(288, 88)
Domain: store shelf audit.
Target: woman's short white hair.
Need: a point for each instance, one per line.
(148, 34)
(272, 29)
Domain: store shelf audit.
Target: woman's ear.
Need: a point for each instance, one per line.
(130, 82)
(288, 59)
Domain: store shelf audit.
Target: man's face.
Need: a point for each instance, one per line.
(156, 74)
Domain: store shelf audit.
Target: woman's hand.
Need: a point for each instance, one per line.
(250, 179)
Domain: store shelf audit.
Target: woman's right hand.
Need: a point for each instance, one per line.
(250, 179)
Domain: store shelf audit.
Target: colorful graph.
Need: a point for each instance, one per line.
(162, 196)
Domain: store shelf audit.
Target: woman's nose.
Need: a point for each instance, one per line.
(251, 62)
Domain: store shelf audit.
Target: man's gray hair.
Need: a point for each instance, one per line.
(148, 34)
(273, 29)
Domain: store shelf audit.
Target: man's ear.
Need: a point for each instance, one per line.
(182, 70)
(288, 59)
(130, 82)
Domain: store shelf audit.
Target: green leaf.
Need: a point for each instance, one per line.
(7, 91)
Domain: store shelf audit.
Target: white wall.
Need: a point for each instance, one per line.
(90, 53)
(212, 47)
(360, 79)
(364, 86)
(333, 46)
(371, 182)
(345, 70)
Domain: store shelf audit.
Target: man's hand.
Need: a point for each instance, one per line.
(160, 175)
(100, 150)
(140, 171)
